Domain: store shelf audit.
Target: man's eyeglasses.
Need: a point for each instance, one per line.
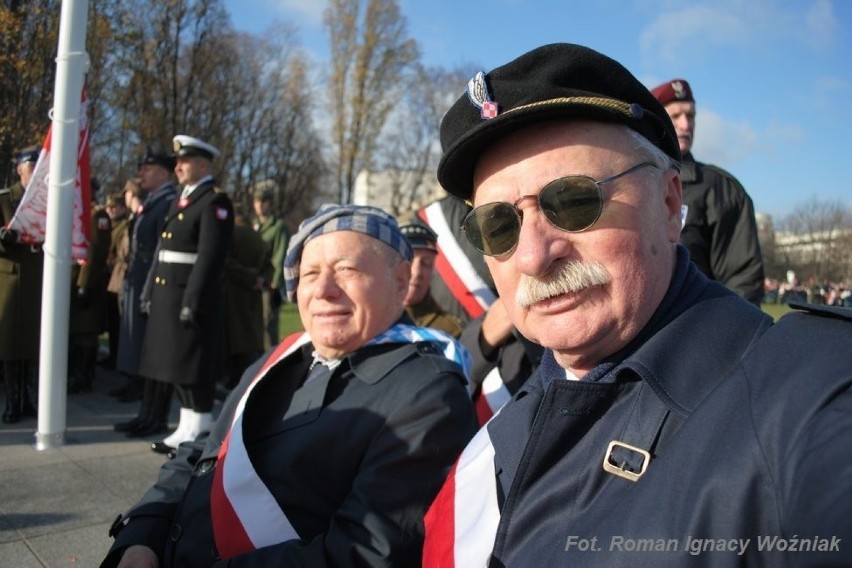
(570, 203)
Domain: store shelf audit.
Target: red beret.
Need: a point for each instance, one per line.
(674, 90)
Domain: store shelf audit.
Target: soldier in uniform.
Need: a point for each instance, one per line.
(247, 266)
(21, 267)
(419, 303)
(275, 234)
(183, 295)
(156, 192)
(87, 317)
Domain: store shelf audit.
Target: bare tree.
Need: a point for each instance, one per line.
(274, 143)
(816, 239)
(28, 68)
(409, 149)
(368, 59)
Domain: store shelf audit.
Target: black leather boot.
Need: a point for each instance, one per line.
(29, 397)
(84, 370)
(158, 414)
(14, 382)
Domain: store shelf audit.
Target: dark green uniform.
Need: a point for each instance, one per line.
(429, 314)
(21, 268)
(87, 318)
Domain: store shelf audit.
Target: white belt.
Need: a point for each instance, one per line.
(175, 257)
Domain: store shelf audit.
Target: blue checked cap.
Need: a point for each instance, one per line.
(332, 217)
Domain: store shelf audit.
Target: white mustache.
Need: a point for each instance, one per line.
(570, 277)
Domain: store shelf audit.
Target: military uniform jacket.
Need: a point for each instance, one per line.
(188, 272)
(276, 236)
(90, 274)
(748, 424)
(247, 260)
(144, 236)
(429, 314)
(21, 271)
(720, 229)
(354, 473)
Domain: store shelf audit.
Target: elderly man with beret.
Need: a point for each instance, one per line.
(671, 422)
(184, 338)
(330, 449)
(719, 228)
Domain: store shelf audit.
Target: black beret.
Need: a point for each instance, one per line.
(559, 80)
(420, 236)
(161, 159)
(28, 154)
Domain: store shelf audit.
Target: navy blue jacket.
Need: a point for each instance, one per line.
(749, 425)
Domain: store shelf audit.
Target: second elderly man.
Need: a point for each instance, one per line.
(331, 447)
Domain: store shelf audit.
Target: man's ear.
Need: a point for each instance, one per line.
(402, 275)
(673, 202)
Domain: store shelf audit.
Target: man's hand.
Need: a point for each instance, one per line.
(496, 328)
(84, 298)
(139, 556)
(8, 236)
(186, 317)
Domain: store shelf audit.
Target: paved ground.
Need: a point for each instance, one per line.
(56, 505)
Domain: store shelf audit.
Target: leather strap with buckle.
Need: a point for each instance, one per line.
(628, 456)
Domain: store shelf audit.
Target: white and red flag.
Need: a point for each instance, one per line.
(30, 219)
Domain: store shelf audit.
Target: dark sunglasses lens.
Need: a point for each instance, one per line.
(493, 228)
(572, 203)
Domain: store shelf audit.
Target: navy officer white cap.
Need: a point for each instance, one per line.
(184, 145)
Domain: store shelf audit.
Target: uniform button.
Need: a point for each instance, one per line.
(205, 467)
(180, 216)
(157, 280)
(163, 281)
(175, 532)
(163, 234)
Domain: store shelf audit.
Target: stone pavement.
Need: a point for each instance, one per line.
(56, 505)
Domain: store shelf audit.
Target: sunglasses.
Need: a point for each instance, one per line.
(571, 204)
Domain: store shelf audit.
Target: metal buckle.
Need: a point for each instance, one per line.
(620, 469)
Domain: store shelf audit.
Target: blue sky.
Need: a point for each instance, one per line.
(772, 78)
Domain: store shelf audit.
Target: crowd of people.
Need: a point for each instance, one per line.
(559, 359)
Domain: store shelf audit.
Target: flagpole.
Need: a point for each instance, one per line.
(71, 64)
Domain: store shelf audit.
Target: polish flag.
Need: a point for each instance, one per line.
(461, 524)
(30, 219)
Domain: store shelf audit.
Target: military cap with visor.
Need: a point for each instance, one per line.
(28, 154)
(420, 236)
(555, 81)
(187, 146)
(162, 159)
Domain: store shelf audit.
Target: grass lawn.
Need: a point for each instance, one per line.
(288, 320)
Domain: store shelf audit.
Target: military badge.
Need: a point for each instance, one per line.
(221, 213)
(477, 92)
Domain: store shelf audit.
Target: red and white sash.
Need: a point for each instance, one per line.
(245, 514)
(454, 267)
(461, 524)
(491, 396)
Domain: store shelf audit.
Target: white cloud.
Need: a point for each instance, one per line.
(829, 92)
(822, 24)
(722, 142)
(682, 32)
(309, 11)
(680, 35)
